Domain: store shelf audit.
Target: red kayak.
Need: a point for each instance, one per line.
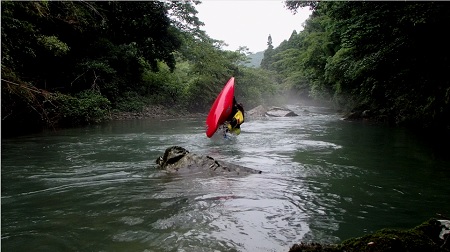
(220, 109)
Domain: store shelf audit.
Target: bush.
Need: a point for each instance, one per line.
(85, 108)
(131, 102)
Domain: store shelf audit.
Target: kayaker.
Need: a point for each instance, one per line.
(236, 118)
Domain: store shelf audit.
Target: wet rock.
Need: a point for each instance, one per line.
(261, 111)
(425, 237)
(177, 159)
(311, 247)
(280, 112)
(256, 112)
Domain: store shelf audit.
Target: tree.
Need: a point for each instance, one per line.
(267, 60)
(389, 58)
(71, 47)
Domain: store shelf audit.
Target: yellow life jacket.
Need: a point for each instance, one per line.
(235, 131)
(240, 119)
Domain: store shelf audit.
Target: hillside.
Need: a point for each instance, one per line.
(255, 59)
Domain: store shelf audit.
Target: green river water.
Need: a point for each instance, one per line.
(324, 180)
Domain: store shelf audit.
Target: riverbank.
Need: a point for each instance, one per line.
(155, 111)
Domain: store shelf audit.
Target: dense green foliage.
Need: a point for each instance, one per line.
(388, 58)
(71, 63)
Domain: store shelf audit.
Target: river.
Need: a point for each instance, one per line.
(324, 180)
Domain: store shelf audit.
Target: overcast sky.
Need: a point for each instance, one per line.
(249, 22)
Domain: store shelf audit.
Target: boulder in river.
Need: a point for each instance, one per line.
(432, 235)
(177, 159)
(280, 112)
(261, 111)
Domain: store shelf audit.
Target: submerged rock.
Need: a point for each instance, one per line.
(177, 159)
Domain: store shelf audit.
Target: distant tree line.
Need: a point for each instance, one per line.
(389, 59)
(70, 63)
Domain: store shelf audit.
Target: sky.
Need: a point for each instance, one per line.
(249, 22)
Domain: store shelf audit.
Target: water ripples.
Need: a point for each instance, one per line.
(98, 188)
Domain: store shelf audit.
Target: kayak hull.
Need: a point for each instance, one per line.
(221, 108)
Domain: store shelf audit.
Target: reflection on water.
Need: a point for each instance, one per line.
(323, 180)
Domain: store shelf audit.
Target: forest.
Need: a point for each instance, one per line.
(68, 64)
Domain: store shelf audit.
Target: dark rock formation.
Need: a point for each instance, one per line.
(177, 159)
(431, 235)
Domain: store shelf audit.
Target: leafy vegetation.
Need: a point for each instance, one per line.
(72, 63)
(387, 58)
